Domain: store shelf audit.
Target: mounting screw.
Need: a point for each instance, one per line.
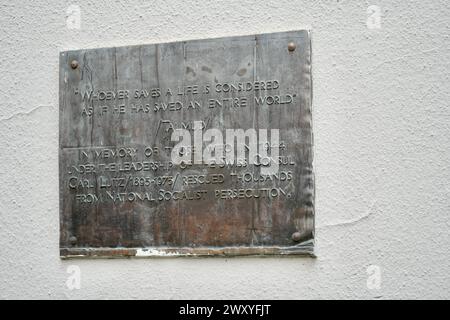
(74, 64)
(291, 46)
(73, 239)
(296, 236)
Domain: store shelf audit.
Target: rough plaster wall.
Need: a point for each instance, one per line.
(382, 140)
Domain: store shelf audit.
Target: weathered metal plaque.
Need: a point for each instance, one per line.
(188, 148)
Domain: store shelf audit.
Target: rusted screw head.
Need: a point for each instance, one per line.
(73, 239)
(74, 64)
(296, 236)
(291, 46)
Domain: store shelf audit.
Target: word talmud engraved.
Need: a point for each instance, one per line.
(200, 147)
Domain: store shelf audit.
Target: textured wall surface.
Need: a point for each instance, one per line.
(382, 149)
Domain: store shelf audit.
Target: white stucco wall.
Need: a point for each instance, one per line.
(382, 149)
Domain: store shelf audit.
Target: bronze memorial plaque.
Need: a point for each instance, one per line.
(193, 148)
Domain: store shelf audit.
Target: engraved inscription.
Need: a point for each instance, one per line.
(198, 147)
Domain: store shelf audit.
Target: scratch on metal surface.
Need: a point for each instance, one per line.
(155, 253)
